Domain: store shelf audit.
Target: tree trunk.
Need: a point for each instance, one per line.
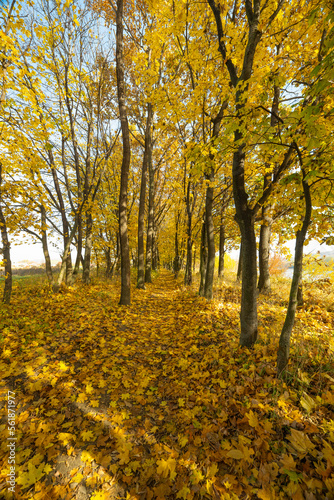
(141, 212)
(6, 258)
(246, 219)
(150, 223)
(188, 277)
(248, 312)
(154, 250)
(221, 250)
(264, 245)
(79, 247)
(194, 261)
(108, 263)
(48, 267)
(97, 264)
(203, 259)
(210, 234)
(125, 298)
(64, 264)
(69, 269)
(176, 262)
(284, 341)
(88, 248)
(300, 298)
(239, 270)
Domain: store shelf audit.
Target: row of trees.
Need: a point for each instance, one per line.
(175, 124)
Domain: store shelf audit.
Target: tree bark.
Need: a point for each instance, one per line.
(155, 253)
(125, 298)
(210, 234)
(245, 219)
(284, 341)
(5, 251)
(141, 211)
(79, 247)
(239, 270)
(264, 245)
(109, 268)
(6, 258)
(300, 298)
(88, 248)
(150, 223)
(221, 250)
(203, 259)
(63, 268)
(177, 259)
(48, 267)
(188, 277)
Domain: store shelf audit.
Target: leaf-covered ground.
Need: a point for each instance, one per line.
(157, 401)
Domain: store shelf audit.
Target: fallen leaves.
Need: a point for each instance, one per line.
(159, 401)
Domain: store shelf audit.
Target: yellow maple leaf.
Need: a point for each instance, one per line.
(91, 481)
(86, 457)
(301, 442)
(328, 452)
(63, 366)
(212, 470)
(307, 402)
(183, 493)
(100, 495)
(89, 388)
(65, 437)
(77, 478)
(87, 435)
(124, 456)
(166, 466)
(183, 440)
(82, 397)
(94, 403)
(252, 419)
(236, 454)
(30, 477)
(288, 463)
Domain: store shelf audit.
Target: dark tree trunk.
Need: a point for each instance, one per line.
(210, 234)
(203, 259)
(154, 250)
(6, 255)
(221, 250)
(239, 270)
(141, 212)
(79, 247)
(48, 267)
(69, 269)
(150, 224)
(188, 277)
(246, 219)
(125, 298)
(109, 268)
(284, 341)
(300, 298)
(248, 312)
(88, 248)
(177, 259)
(264, 245)
(64, 264)
(194, 261)
(97, 264)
